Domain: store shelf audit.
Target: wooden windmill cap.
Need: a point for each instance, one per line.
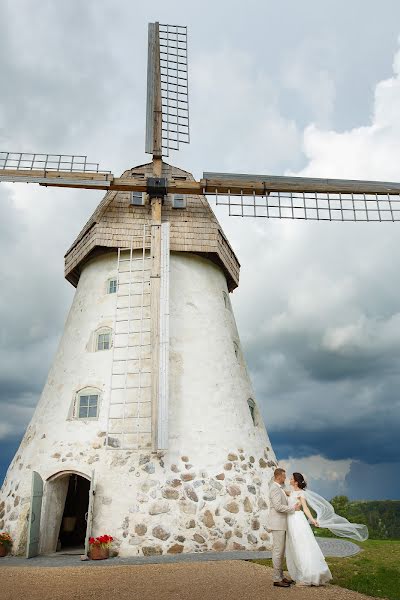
(116, 222)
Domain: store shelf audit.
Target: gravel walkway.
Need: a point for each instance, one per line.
(222, 580)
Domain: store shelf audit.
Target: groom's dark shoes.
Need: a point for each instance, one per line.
(289, 581)
(282, 583)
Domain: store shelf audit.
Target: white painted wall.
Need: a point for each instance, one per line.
(208, 419)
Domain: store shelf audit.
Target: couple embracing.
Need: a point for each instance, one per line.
(288, 519)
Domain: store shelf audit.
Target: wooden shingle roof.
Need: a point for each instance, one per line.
(115, 223)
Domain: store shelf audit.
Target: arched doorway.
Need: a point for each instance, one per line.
(72, 533)
(64, 516)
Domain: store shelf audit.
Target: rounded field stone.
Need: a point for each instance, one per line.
(255, 524)
(151, 550)
(175, 549)
(252, 459)
(190, 493)
(174, 468)
(149, 468)
(144, 458)
(232, 456)
(189, 508)
(175, 483)
(237, 546)
(208, 519)
(191, 524)
(251, 489)
(220, 476)
(216, 484)
(248, 507)
(185, 459)
(262, 463)
(252, 538)
(140, 529)
(170, 494)
(199, 538)
(232, 507)
(210, 495)
(160, 533)
(187, 476)
(228, 466)
(229, 521)
(219, 546)
(228, 535)
(158, 508)
(233, 490)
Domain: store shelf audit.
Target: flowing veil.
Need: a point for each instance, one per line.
(328, 519)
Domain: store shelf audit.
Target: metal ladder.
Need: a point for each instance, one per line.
(129, 408)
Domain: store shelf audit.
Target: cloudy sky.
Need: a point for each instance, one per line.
(309, 88)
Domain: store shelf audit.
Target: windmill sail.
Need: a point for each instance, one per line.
(167, 111)
(304, 198)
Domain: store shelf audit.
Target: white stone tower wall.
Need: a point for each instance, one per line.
(209, 489)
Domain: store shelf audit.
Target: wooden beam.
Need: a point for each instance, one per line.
(249, 184)
(157, 124)
(219, 185)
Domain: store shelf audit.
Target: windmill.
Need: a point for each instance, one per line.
(148, 402)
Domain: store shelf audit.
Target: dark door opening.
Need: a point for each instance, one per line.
(73, 522)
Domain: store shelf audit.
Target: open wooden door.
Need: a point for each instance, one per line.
(32, 548)
(89, 514)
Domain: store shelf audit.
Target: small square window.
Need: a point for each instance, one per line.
(88, 407)
(178, 201)
(112, 286)
(103, 341)
(138, 198)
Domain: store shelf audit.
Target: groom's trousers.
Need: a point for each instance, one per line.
(278, 552)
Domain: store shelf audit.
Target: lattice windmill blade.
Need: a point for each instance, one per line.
(167, 111)
(59, 170)
(304, 198)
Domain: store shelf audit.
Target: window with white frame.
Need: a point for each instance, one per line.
(87, 404)
(103, 339)
(227, 302)
(112, 286)
(252, 409)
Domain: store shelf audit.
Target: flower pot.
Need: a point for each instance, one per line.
(3, 550)
(99, 553)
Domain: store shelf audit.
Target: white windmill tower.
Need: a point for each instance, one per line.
(147, 428)
(148, 401)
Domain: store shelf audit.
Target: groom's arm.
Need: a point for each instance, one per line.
(276, 501)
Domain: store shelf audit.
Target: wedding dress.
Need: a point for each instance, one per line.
(305, 561)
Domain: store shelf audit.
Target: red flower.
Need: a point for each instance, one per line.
(101, 540)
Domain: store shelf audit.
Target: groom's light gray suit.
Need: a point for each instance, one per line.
(277, 523)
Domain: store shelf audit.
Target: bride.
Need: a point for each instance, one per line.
(305, 561)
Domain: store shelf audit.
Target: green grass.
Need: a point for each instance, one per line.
(375, 571)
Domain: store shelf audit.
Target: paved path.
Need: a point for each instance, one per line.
(329, 546)
(208, 580)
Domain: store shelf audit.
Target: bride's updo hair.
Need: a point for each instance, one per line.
(299, 479)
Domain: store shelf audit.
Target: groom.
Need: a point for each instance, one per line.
(277, 523)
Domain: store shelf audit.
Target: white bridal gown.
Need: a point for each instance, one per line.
(304, 559)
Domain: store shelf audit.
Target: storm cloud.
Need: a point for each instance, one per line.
(274, 88)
